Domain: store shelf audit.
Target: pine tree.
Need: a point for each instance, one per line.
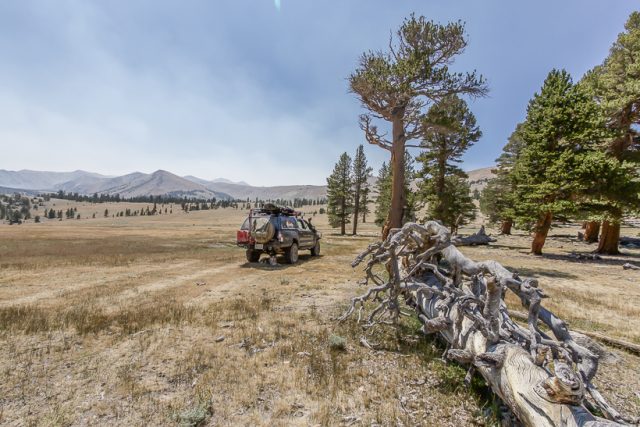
(615, 85)
(562, 126)
(339, 193)
(364, 203)
(451, 130)
(398, 85)
(361, 173)
(496, 200)
(383, 188)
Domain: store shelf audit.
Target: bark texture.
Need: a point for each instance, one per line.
(540, 233)
(543, 377)
(505, 227)
(591, 231)
(609, 238)
(397, 172)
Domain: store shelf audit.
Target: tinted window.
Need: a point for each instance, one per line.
(302, 225)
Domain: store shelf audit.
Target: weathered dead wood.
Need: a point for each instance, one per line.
(545, 379)
(630, 347)
(629, 266)
(479, 238)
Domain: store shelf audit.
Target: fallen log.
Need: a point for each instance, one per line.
(615, 342)
(479, 238)
(630, 242)
(544, 379)
(629, 266)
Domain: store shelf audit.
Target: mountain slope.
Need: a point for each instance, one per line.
(41, 180)
(137, 184)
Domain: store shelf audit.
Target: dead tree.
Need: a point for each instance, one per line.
(479, 238)
(545, 379)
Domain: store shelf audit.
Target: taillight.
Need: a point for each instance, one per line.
(280, 238)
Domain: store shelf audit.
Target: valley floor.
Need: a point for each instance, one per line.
(160, 320)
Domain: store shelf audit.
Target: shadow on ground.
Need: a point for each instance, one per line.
(282, 265)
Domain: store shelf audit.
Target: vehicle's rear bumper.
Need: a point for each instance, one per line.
(268, 247)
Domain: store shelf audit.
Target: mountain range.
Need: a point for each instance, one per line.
(158, 183)
(163, 183)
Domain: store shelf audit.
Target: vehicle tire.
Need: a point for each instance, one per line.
(253, 256)
(265, 233)
(291, 255)
(315, 250)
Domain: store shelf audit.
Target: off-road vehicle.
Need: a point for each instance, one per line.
(277, 230)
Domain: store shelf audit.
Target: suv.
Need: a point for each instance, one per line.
(277, 230)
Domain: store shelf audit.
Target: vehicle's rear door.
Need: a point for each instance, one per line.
(306, 235)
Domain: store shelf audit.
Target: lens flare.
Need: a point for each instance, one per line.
(277, 2)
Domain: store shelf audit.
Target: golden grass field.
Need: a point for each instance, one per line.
(161, 321)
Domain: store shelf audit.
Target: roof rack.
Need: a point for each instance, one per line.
(271, 209)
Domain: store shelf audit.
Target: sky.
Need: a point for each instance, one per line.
(254, 90)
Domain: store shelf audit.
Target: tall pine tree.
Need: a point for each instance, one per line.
(361, 173)
(340, 194)
(450, 129)
(561, 128)
(615, 85)
(497, 198)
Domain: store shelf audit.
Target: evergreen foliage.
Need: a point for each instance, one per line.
(361, 173)
(339, 193)
(450, 129)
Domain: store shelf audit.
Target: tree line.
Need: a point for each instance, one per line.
(575, 156)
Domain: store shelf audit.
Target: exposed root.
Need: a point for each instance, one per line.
(542, 378)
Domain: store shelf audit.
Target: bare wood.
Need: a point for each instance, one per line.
(629, 266)
(625, 345)
(478, 238)
(545, 379)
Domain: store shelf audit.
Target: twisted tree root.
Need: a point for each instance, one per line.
(544, 380)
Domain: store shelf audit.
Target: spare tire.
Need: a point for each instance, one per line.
(264, 233)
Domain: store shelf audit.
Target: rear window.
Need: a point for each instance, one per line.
(245, 225)
(287, 223)
(259, 223)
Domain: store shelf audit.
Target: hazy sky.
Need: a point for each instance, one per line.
(253, 90)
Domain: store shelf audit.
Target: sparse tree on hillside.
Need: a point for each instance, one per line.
(361, 173)
(397, 86)
(339, 194)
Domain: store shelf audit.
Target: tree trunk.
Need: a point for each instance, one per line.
(609, 238)
(397, 173)
(343, 217)
(591, 231)
(505, 228)
(356, 210)
(540, 234)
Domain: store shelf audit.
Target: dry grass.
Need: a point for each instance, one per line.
(101, 322)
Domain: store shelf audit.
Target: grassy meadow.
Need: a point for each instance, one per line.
(159, 320)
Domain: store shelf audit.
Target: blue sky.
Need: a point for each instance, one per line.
(246, 90)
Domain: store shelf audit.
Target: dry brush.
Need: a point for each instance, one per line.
(544, 376)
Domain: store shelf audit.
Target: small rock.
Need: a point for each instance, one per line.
(220, 338)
